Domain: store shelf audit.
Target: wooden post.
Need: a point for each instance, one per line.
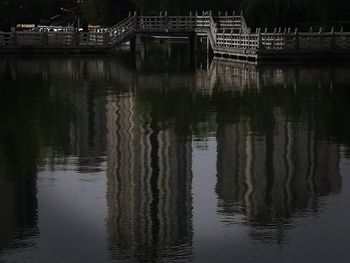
(106, 39)
(227, 40)
(46, 39)
(135, 19)
(259, 39)
(249, 38)
(195, 18)
(13, 38)
(165, 21)
(333, 46)
(240, 38)
(296, 38)
(207, 46)
(320, 38)
(274, 38)
(77, 38)
(138, 43)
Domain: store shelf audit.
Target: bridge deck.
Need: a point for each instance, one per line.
(227, 35)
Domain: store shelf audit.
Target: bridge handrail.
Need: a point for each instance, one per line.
(166, 22)
(6, 38)
(121, 23)
(227, 23)
(203, 22)
(283, 40)
(238, 41)
(58, 39)
(124, 28)
(212, 32)
(222, 31)
(244, 26)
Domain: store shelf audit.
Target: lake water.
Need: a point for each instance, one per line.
(161, 159)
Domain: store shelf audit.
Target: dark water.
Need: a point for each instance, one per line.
(160, 161)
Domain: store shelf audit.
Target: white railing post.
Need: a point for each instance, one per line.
(333, 44)
(195, 19)
(249, 38)
(296, 35)
(259, 39)
(240, 38)
(135, 20)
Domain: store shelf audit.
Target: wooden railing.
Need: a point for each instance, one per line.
(62, 39)
(212, 33)
(288, 40)
(120, 31)
(166, 23)
(238, 41)
(6, 39)
(285, 40)
(202, 22)
(57, 39)
(29, 38)
(223, 31)
(93, 39)
(231, 23)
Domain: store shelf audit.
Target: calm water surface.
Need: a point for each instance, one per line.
(155, 160)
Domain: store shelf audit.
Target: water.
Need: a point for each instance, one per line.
(160, 160)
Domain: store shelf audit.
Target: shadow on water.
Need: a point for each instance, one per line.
(280, 132)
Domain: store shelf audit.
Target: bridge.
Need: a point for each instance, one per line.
(226, 35)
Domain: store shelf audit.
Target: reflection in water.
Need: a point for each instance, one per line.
(270, 178)
(18, 171)
(149, 186)
(88, 135)
(276, 167)
(279, 134)
(18, 206)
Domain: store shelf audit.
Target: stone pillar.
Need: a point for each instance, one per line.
(192, 49)
(136, 44)
(208, 46)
